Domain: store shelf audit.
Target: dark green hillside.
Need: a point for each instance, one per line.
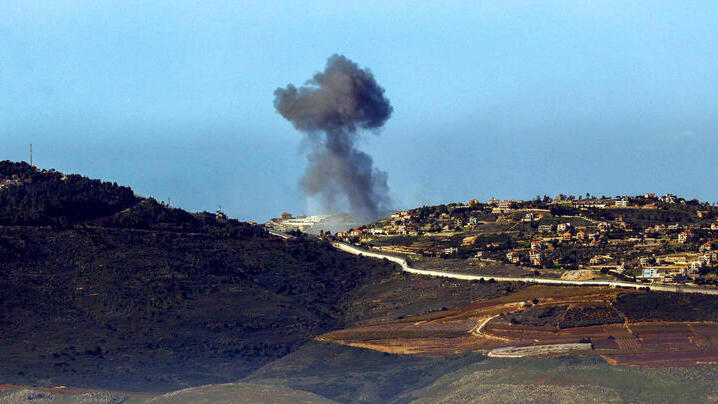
(139, 296)
(29, 196)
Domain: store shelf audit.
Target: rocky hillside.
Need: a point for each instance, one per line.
(101, 288)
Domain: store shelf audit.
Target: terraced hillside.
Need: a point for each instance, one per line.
(623, 326)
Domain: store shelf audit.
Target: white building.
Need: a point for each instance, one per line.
(650, 273)
(668, 198)
(545, 228)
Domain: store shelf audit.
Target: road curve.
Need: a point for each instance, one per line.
(279, 234)
(471, 277)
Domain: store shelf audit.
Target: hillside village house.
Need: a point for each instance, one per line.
(685, 237)
(622, 203)
(566, 236)
(503, 207)
(545, 228)
(660, 228)
(513, 257)
(535, 257)
(650, 273)
(596, 260)
(668, 198)
(695, 266)
(563, 227)
(589, 204)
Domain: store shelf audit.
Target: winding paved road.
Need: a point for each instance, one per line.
(470, 277)
(279, 234)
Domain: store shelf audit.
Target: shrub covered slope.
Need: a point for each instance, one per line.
(101, 288)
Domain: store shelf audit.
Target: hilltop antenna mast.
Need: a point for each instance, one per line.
(30, 153)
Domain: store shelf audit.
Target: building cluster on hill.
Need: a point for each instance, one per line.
(656, 238)
(287, 222)
(315, 224)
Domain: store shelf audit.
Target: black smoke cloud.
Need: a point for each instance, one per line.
(333, 108)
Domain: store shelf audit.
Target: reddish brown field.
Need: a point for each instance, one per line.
(508, 321)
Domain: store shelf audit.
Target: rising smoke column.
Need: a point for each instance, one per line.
(332, 109)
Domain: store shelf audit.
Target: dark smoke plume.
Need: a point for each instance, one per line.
(332, 108)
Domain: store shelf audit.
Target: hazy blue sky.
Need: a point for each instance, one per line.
(503, 98)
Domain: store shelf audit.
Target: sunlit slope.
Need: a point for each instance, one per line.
(239, 393)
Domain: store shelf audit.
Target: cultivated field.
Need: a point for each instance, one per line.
(541, 316)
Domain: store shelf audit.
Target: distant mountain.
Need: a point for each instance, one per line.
(102, 288)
